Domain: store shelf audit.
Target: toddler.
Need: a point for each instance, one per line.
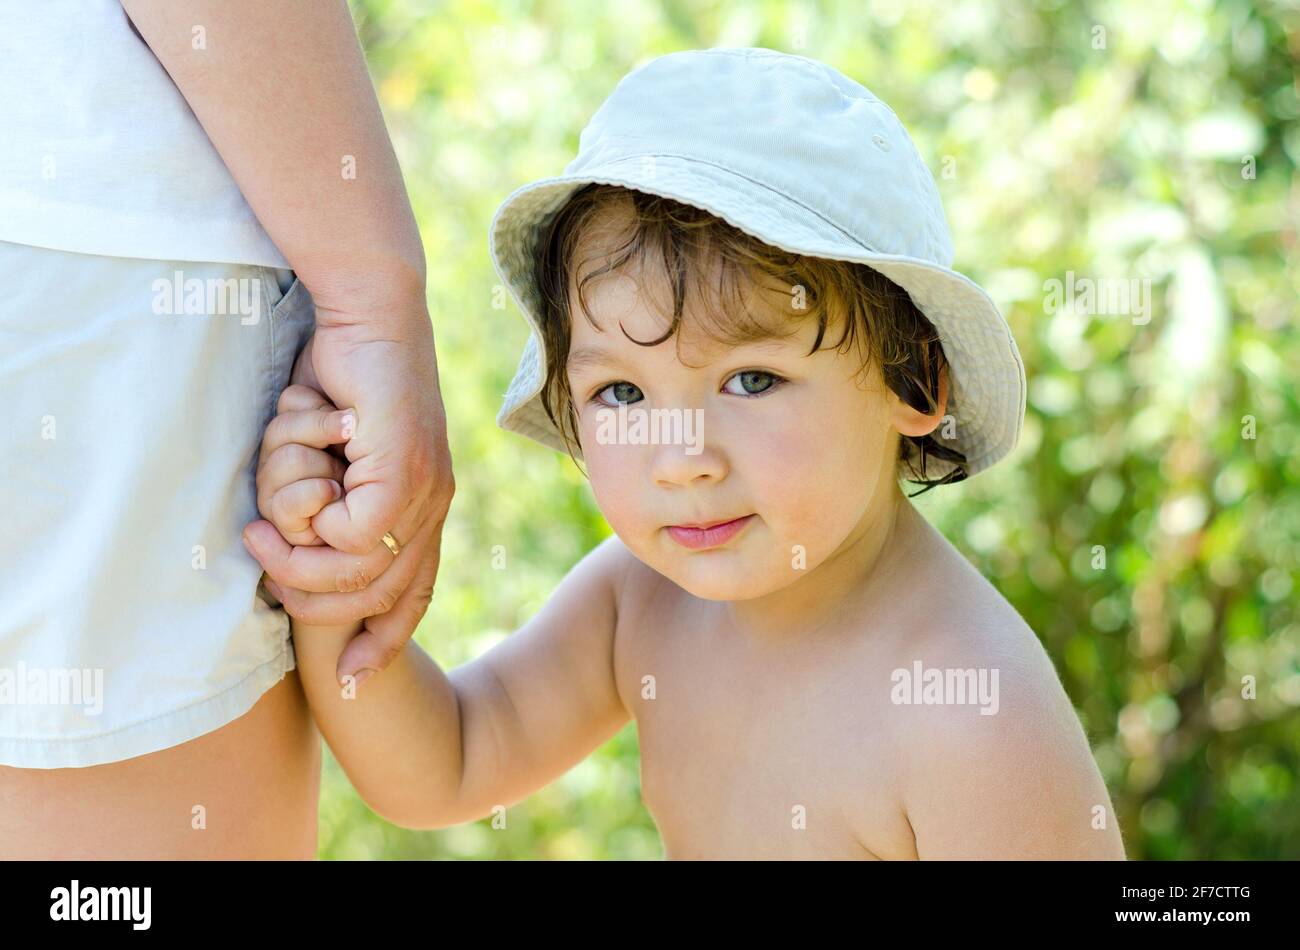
(745, 324)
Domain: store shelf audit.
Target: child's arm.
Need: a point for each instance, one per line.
(425, 749)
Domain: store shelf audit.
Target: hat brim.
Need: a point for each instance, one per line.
(986, 380)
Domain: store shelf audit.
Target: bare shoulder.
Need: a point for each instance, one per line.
(951, 616)
(993, 761)
(608, 560)
(641, 597)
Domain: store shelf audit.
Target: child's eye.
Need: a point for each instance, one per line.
(753, 382)
(620, 394)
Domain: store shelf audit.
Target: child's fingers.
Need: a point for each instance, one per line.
(292, 507)
(295, 398)
(317, 428)
(291, 463)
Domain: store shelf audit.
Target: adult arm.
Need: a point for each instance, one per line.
(283, 93)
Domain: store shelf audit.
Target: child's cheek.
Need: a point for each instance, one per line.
(775, 455)
(810, 470)
(617, 482)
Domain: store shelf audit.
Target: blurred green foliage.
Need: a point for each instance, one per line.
(1150, 543)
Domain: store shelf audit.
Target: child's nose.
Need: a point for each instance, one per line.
(688, 463)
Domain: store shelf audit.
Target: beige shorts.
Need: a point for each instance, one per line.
(135, 393)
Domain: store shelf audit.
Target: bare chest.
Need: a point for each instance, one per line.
(747, 754)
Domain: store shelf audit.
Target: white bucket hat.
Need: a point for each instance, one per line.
(792, 152)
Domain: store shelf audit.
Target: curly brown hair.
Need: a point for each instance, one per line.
(702, 253)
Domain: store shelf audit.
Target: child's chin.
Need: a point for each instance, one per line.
(722, 582)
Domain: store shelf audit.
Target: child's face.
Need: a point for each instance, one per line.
(801, 448)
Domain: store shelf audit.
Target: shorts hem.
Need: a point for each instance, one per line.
(163, 731)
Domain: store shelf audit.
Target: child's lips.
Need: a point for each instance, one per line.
(712, 535)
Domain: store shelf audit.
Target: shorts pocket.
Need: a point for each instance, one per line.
(292, 321)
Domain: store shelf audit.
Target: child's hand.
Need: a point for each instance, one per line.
(296, 477)
(304, 372)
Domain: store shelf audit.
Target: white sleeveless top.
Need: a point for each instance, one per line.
(101, 154)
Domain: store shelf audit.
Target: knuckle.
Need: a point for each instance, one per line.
(351, 544)
(291, 602)
(388, 653)
(322, 491)
(279, 516)
(353, 578)
(383, 601)
(313, 611)
(265, 475)
(352, 541)
(429, 474)
(309, 613)
(421, 463)
(446, 490)
(422, 597)
(296, 455)
(272, 435)
(288, 398)
(289, 530)
(288, 574)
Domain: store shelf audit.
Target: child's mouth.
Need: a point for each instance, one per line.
(698, 537)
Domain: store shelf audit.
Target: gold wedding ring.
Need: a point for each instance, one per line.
(391, 543)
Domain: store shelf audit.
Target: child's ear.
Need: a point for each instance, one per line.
(943, 392)
(914, 422)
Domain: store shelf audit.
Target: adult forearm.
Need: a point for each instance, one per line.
(283, 92)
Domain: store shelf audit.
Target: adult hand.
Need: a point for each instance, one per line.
(398, 480)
